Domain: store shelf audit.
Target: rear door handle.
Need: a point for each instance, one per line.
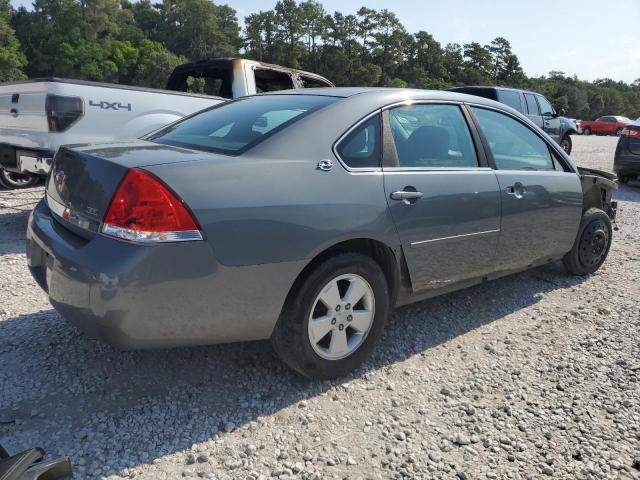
(517, 190)
(407, 196)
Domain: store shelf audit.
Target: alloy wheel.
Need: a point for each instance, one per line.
(341, 317)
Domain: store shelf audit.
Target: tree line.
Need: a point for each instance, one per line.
(139, 43)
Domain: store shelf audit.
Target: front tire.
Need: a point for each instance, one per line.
(12, 180)
(592, 244)
(586, 131)
(566, 144)
(333, 317)
(618, 132)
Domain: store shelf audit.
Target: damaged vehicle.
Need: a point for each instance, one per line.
(306, 217)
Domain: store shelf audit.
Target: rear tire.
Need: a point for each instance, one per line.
(12, 180)
(618, 132)
(323, 341)
(586, 131)
(566, 144)
(592, 244)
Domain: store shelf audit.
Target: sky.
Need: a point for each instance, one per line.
(590, 38)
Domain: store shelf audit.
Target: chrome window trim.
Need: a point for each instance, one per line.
(436, 169)
(537, 130)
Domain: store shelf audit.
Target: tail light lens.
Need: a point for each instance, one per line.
(630, 132)
(62, 112)
(145, 210)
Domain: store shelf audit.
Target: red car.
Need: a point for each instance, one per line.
(611, 125)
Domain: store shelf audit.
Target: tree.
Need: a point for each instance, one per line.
(290, 29)
(477, 64)
(12, 60)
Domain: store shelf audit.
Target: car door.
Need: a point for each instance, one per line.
(533, 111)
(550, 120)
(541, 197)
(442, 195)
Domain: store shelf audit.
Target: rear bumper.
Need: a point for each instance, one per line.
(134, 296)
(25, 160)
(626, 163)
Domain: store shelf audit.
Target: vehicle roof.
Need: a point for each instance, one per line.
(386, 95)
(231, 60)
(496, 87)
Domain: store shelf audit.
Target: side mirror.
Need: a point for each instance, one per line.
(563, 112)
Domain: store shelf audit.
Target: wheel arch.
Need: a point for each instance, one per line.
(390, 260)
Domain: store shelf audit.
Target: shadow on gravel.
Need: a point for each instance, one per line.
(629, 192)
(13, 227)
(75, 396)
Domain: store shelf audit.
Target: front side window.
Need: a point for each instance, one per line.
(513, 145)
(532, 105)
(361, 148)
(432, 136)
(236, 126)
(545, 106)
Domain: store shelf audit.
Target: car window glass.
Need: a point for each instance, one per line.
(545, 106)
(206, 81)
(235, 126)
(361, 148)
(532, 106)
(513, 145)
(432, 136)
(510, 98)
(272, 80)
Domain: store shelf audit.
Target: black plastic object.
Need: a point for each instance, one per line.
(28, 465)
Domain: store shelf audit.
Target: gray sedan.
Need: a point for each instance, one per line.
(305, 217)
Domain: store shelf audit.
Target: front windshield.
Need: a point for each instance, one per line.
(236, 126)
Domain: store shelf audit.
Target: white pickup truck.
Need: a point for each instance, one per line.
(38, 116)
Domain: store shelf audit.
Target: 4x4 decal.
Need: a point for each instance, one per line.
(110, 105)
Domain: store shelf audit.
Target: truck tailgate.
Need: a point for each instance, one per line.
(22, 109)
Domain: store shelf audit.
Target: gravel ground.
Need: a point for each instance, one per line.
(530, 376)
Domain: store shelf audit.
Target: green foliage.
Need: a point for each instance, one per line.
(12, 60)
(140, 42)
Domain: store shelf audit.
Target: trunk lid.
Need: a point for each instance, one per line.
(84, 178)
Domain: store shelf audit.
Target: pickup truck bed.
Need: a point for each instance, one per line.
(38, 116)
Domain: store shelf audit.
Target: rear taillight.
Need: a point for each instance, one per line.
(630, 132)
(62, 112)
(144, 209)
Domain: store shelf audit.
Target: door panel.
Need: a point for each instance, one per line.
(451, 232)
(541, 206)
(540, 216)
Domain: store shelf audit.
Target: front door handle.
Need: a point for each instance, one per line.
(407, 196)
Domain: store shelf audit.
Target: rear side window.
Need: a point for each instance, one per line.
(514, 146)
(532, 105)
(432, 136)
(236, 126)
(311, 82)
(511, 98)
(361, 148)
(207, 81)
(272, 80)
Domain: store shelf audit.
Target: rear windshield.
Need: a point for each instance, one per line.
(236, 126)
